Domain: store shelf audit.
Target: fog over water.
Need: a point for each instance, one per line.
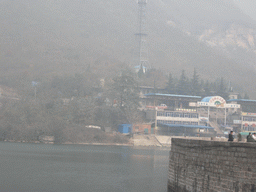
(56, 168)
(74, 71)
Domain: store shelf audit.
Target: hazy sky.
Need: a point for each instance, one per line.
(248, 6)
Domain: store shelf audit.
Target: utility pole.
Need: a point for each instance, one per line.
(156, 121)
(142, 51)
(225, 120)
(34, 84)
(35, 93)
(208, 115)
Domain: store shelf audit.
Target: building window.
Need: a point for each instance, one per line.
(160, 113)
(245, 128)
(247, 119)
(176, 114)
(186, 123)
(177, 122)
(194, 115)
(186, 115)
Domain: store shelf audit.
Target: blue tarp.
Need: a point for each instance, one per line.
(125, 128)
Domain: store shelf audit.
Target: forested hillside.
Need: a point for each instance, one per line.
(43, 39)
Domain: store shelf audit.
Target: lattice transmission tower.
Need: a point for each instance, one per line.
(141, 36)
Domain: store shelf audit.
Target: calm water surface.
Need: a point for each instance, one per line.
(51, 168)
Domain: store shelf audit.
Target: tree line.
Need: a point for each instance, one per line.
(199, 87)
(53, 105)
(58, 105)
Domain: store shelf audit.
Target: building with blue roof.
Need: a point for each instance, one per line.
(245, 119)
(187, 111)
(247, 105)
(182, 112)
(173, 95)
(171, 100)
(206, 99)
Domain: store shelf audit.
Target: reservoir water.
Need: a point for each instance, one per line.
(51, 168)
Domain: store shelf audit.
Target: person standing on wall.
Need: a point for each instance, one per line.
(254, 137)
(249, 138)
(231, 136)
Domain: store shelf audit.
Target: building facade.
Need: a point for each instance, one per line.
(184, 117)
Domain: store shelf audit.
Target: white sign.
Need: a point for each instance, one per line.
(232, 105)
(223, 105)
(192, 104)
(217, 100)
(203, 104)
(189, 110)
(237, 121)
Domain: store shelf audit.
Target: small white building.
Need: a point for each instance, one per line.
(47, 139)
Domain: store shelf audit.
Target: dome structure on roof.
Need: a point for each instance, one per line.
(214, 100)
(206, 99)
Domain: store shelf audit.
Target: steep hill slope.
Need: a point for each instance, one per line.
(46, 38)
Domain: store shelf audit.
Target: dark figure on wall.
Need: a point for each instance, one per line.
(250, 138)
(231, 136)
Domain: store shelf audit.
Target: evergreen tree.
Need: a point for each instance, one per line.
(207, 89)
(171, 87)
(125, 90)
(222, 89)
(213, 88)
(246, 96)
(141, 72)
(182, 87)
(194, 85)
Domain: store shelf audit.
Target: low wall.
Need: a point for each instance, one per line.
(214, 166)
(167, 140)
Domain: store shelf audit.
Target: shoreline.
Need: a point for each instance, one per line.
(99, 144)
(89, 144)
(70, 143)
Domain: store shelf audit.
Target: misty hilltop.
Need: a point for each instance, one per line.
(46, 38)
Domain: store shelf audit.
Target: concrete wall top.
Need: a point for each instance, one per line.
(204, 143)
(211, 166)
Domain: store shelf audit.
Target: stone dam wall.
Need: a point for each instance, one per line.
(212, 166)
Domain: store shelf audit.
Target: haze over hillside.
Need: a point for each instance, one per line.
(46, 38)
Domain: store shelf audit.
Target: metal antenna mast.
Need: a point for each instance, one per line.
(142, 35)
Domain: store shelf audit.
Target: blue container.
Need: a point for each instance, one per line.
(125, 128)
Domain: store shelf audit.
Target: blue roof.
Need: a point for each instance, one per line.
(243, 100)
(207, 99)
(171, 95)
(186, 126)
